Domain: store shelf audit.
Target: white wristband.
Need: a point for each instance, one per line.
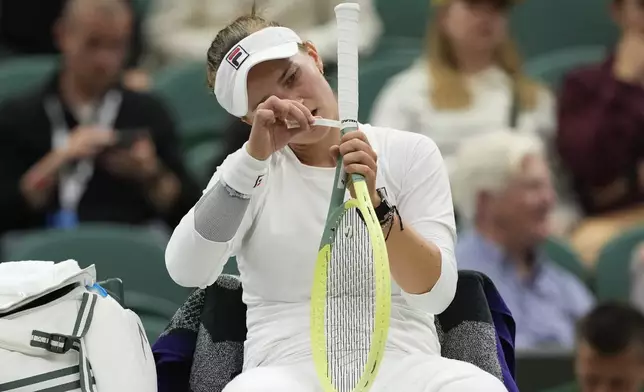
(245, 173)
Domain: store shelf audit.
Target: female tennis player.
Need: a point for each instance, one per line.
(267, 204)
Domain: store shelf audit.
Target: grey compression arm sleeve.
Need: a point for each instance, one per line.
(219, 213)
(212, 230)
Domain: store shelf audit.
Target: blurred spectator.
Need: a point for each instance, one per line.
(610, 351)
(83, 147)
(470, 82)
(184, 30)
(600, 137)
(637, 278)
(600, 120)
(27, 28)
(502, 187)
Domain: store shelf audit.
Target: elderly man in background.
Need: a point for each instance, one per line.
(503, 189)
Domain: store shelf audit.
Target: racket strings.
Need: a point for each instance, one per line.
(351, 296)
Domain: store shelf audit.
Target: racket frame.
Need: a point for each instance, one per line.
(382, 279)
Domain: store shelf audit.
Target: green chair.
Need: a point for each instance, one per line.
(552, 67)
(392, 47)
(373, 77)
(568, 387)
(541, 369)
(136, 255)
(199, 159)
(231, 267)
(185, 90)
(613, 268)
(20, 74)
(562, 254)
(142, 8)
(404, 18)
(154, 326)
(155, 312)
(545, 26)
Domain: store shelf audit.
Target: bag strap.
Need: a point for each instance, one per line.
(16, 337)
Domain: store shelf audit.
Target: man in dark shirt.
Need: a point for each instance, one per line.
(601, 120)
(85, 148)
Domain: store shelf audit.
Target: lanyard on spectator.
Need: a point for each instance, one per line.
(513, 116)
(73, 180)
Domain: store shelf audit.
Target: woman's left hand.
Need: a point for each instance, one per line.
(359, 158)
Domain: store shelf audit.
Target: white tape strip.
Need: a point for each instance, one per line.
(319, 122)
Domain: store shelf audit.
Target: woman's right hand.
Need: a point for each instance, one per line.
(270, 132)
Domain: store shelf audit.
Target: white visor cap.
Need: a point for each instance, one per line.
(270, 43)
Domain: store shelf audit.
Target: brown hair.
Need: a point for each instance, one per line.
(449, 90)
(229, 36)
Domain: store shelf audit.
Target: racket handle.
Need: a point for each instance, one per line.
(348, 18)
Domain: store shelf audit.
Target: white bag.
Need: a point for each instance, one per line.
(61, 332)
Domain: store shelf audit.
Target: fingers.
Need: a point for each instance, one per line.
(286, 111)
(264, 117)
(296, 114)
(354, 135)
(367, 172)
(360, 162)
(357, 155)
(305, 111)
(357, 142)
(334, 151)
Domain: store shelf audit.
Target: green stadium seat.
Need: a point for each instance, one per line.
(613, 268)
(545, 26)
(142, 8)
(391, 47)
(155, 312)
(136, 255)
(231, 267)
(561, 253)
(373, 77)
(185, 90)
(20, 74)
(568, 387)
(404, 18)
(200, 158)
(541, 369)
(154, 326)
(552, 67)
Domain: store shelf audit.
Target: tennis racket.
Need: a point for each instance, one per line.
(351, 294)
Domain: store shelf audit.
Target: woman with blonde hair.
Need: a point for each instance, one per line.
(470, 81)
